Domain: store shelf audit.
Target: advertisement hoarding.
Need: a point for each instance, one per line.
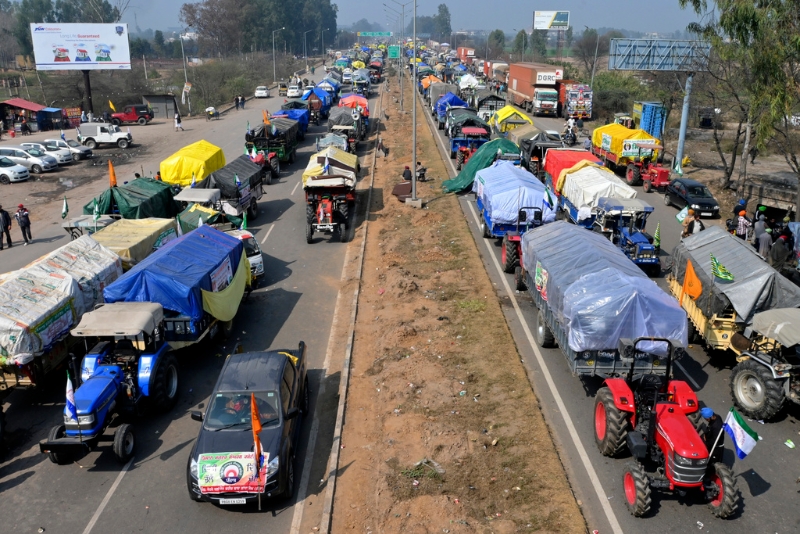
(550, 20)
(81, 46)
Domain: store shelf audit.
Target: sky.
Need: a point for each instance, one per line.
(640, 15)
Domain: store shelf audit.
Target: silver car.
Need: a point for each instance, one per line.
(78, 150)
(62, 155)
(11, 172)
(32, 159)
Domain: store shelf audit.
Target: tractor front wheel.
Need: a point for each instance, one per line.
(721, 491)
(57, 432)
(755, 391)
(342, 232)
(124, 443)
(309, 232)
(637, 489)
(647, 186)
(509, 255)
(165, 384)
(610, 424)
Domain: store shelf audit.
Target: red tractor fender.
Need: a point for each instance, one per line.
(513, 236)
(623, 396)
(680, 393)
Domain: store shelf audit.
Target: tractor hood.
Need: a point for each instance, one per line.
(679, 432)
(98, 390)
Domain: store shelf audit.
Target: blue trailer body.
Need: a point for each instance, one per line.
(565, 206)
(300, 115)
(650, 117)
(446, 101)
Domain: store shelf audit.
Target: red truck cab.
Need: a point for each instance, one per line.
(138, 113)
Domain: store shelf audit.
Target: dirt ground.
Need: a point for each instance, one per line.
(436, 376)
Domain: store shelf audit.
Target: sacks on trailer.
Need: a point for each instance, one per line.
(585, 186)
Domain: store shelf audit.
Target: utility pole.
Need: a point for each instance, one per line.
(305, 50)
(403, 43)
(274, 76)
(185, 76)
(414, 112)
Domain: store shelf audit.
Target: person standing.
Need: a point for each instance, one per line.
(5, 227)
(687, 221)
(23, 220)
(764, 242)
(779, 253)
(236, 102)
(178, 125)
(241, 101)
(696, 225)
(713, 431)
(743, 225)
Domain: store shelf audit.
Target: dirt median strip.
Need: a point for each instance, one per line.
(442, 430)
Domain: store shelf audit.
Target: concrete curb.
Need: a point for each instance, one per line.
(333, 465)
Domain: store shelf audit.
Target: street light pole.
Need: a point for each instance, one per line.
(323, 53)
(274, 75)
(305, 51)
(403, 44)
(414, 112)
(185, 76)
(596, 46)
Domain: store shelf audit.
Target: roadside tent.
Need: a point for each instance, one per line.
(507, 118)
(138, 199)
(481, 159)
(198, 159)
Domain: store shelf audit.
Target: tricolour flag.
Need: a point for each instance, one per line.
(744, 439)
(64, 209)
(548, 200)
(194, 181)
(719, 270)
(657, 236)
(327, 166)
(71, 410)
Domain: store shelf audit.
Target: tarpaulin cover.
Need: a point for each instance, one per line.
(558, 160)
(504, 189)
(507, 118)
(199, 159)
(41, 302)
(299, 115)
(174, 275)
(468, 81)
(138, 199)
(295, 103)
(323, 96)
(595, 292)
(331, 139)
(481, 159)
(428, 80)
(224, 304)
(756, 285)
(341, 117)
(436, 90)
(780, 324)
(586, 186)
(340, 163)
(279, 127)
(134, 240)
(447, 101)
(189, 219)
(619, 134)
(355, 101)
(225, 178)
(525, 131)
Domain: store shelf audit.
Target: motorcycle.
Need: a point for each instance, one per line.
(569, 137)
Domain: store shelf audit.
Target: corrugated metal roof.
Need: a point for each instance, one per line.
(23, 104)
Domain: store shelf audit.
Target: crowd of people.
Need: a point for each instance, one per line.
(773, 240)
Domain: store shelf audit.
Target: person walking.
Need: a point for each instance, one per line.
(5, 227)
(23, 220)
(178, 125)
(696, 226)
(236, 102)
(687, 221)
(764, 242)
(743, 225)
(241, 101)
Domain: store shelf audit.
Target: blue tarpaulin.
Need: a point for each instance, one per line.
(299, 115)
(321, 93)
(447, 99)
(174, 275)
(462, 68)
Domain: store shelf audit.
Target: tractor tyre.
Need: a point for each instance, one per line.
(57, 432)
(755, 392)
(485, 232)
(275, 169)
(342, 229)
(633, 174)
(459, 161)
(509, 255)
(544, 336)
(721, 491)
(164, 393)
(353, 145)
(252, 210)
(124, 443)
(519, 280)
(697, 422)
(311, 215)
(636, 488)
(309, 232)
(647, 186)
(610, 424)
(344, 214)
(692, 335)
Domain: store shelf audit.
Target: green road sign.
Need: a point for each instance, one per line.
(394, 52)
(374, 34)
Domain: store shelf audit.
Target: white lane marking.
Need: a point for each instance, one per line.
(268, 232)
(587, 463)
(107, 498)
(295, 188)
(687, 375)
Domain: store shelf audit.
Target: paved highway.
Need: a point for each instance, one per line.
(767, 479)
(295, 302)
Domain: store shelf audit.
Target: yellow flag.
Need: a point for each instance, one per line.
(111, 105)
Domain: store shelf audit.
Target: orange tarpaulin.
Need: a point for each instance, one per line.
(428, 80)
(353, 101)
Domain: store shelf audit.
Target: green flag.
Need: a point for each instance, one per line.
(719, 270)
(244, 220)
(64, 209)
(657, 236)
(96, 210)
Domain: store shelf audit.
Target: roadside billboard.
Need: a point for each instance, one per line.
(81, 46)
(550, 20)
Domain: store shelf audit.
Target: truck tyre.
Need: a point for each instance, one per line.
(275, 169)
(124, 443)
(164, 393)
(252, 210)
(519, 279)
(309, 232)
(90, 143)
(485, 230)
(459, 160)
(610, 424)
(141, 121)
(116, 122)
(633, 174)
(122, 143)
(544, 337)
(342, 229)
(57, 432)
(755, 392)
(636, 488)
(721, 491)
(509, 255)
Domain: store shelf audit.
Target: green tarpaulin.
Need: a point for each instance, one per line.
(139, 199)
(479, 160)
(189, 219)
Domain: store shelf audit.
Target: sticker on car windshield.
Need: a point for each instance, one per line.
(231, 472)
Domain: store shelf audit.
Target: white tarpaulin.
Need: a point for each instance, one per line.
(504, 189)
(585, 186)
(468, 81)
(41, 302)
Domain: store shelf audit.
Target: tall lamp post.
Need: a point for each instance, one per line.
(596, 46)
(322, 37)
(274, 75)
(402, 14)
(305, 52)
(414, 113)
(185, 76)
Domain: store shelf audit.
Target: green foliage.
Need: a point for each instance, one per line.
(520, 42)
(615, 92)
(497, 43)
(442, 20)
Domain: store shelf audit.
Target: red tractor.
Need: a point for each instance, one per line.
(511, 249)
(657, 419)
(652, 175)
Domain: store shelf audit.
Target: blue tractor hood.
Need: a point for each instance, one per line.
(98, 389)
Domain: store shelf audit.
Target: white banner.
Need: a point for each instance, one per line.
(81, 46)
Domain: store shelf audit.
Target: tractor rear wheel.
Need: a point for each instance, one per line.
(721, 491)
(124, 443)
(165, 384)
(610, 424)
(633, 174)
(275, 169)
(637, 489)
(509, 255)
(342, 232)
(310, 213)
(309, 232)
(519, 280)
(57, 432)
(647, 186)
(344, 212)
(459, 160)
(755, 392)
(544, 337)
(252, 209)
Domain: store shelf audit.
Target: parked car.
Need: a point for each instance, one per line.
(261, 92)
(138, 113)
(251, 250)
(63, 156)
(683, 192)
(12, 172)
(78, 150)
(32, 159)
(294, 91)
(279, 383)
(99, 133)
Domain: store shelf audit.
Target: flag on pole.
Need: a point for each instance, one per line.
(96, 211)
(111, 105)
(719, 270)
(78, 131)
(63, 136)
(112, 176)
(548, 200)
(327, 166)
(238, 182)
(681, 215)
(744, 439)
(180, 228)
(244, 221)
(64, 208)
(71, 410)
(657, 236)
(194, 181)
(255, 424)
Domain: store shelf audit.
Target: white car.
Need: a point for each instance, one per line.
(12, 172)
(62, 155)
(294, 91)
(32, 159)
(261, 92)
(251, 250)
(77, 150)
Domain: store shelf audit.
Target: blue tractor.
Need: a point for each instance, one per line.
(128, 370)
(623, 221)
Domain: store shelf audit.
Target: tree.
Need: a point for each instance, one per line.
(520, 43)
(158, 42)
(569, 37)
(496, 43)
(425, 24)
(539, 43)
(442, 20)
(8, 44)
